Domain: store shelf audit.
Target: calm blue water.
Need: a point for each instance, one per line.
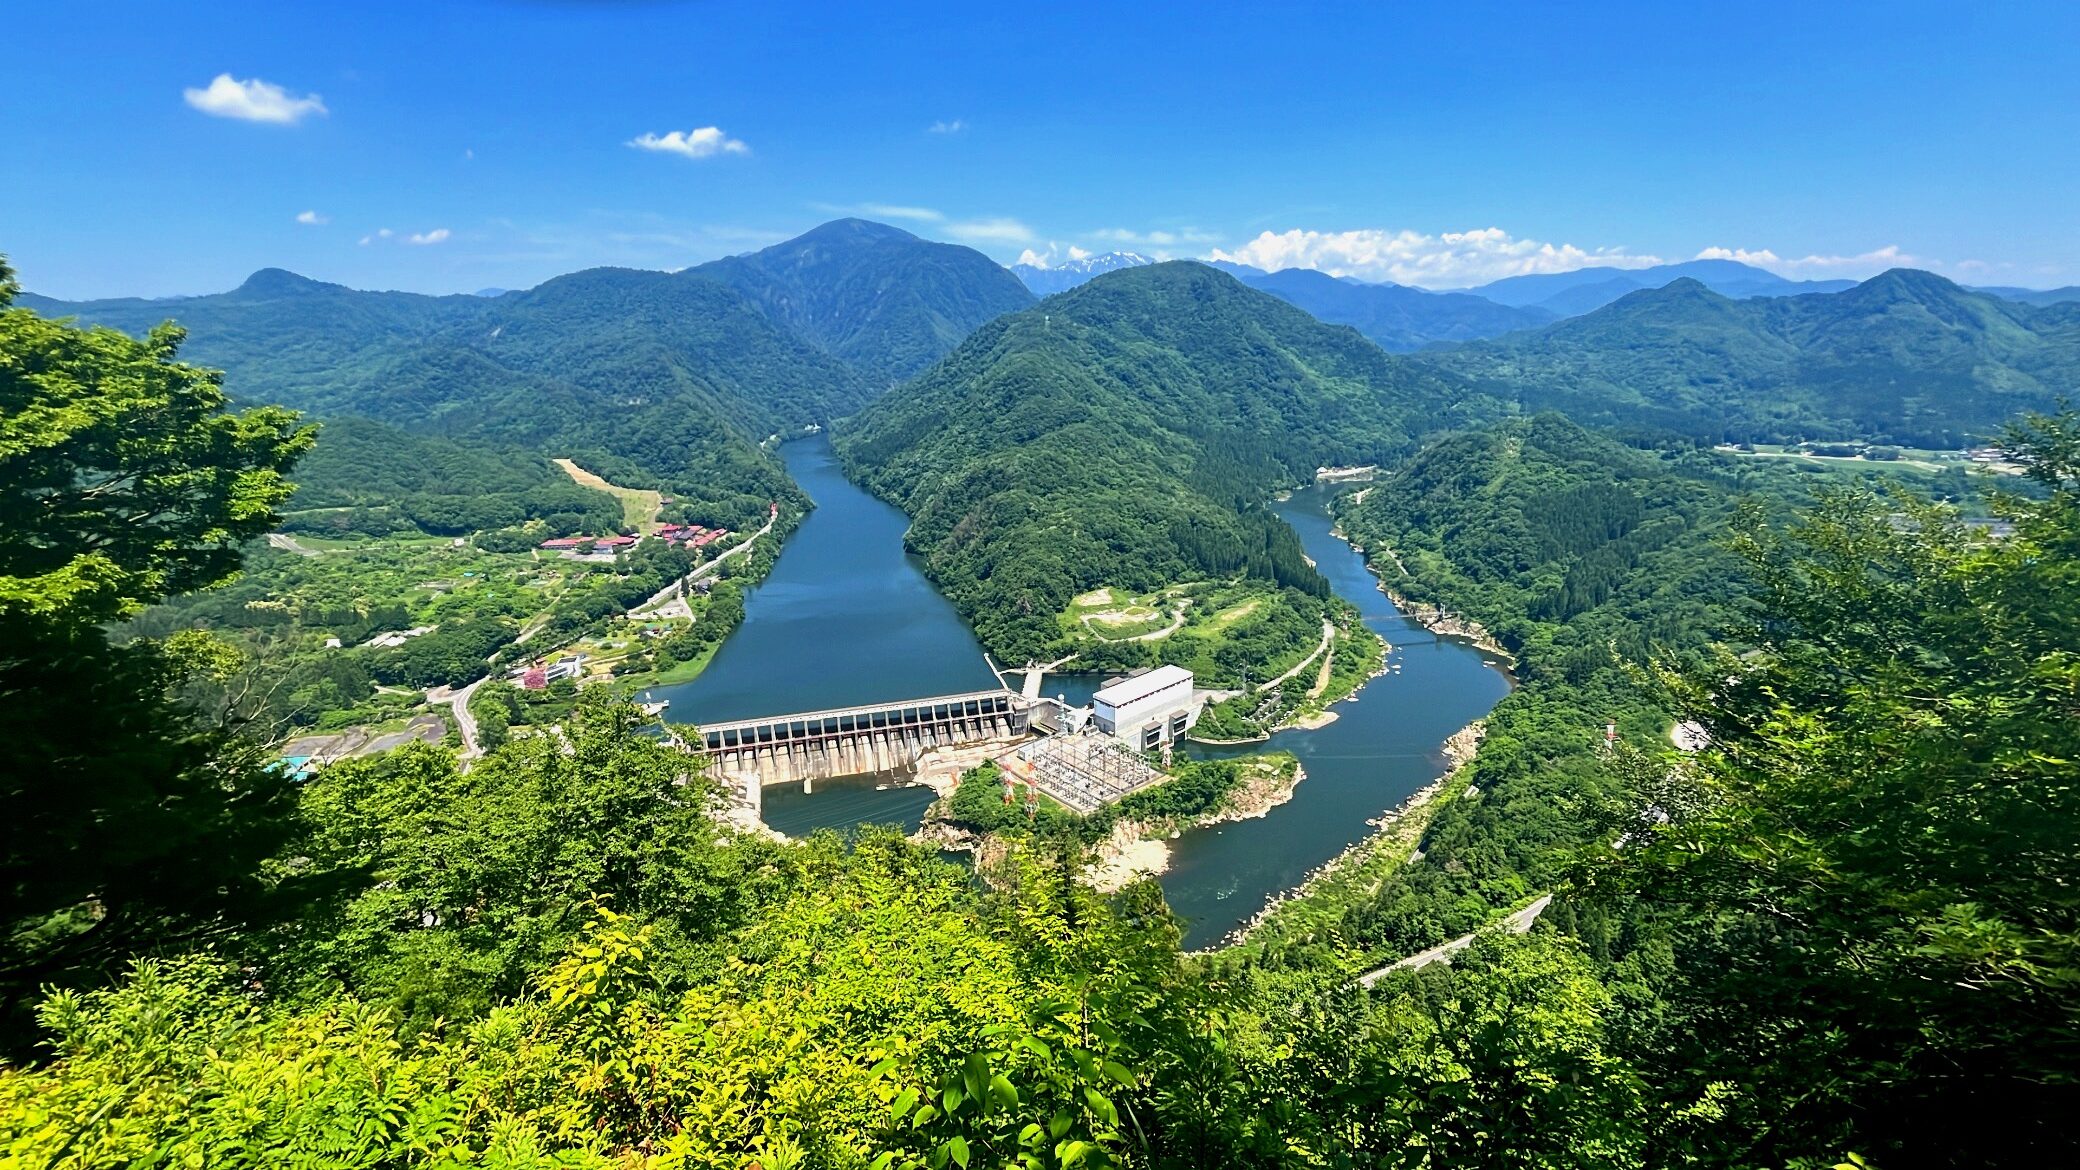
(845, 617)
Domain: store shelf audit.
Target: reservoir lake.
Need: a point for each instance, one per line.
(846, 617)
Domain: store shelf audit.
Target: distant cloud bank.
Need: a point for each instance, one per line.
(1863, 264)
(253, 101)
(1440, 260)
(705, 142)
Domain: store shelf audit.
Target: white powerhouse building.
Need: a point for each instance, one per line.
(1147, 710)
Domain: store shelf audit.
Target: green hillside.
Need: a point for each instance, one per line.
(884, 301)
(370, 478)
(1122, 433)
(1905, 357)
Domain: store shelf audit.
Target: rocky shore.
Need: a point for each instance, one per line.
(1449, 625)
(1396, 832)
(1138, 849)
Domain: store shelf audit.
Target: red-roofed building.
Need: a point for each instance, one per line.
(565, 542)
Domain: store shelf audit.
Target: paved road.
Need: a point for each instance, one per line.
(1328, 632)
(288, 544)
(1516, 923)
(465, 722)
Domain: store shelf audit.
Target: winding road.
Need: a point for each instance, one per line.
(1328, 632)
(466, 723)
(1516, 923)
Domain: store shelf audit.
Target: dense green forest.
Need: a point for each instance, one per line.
(1124, 433)
(1905, 357)
(371, 479)
(649, 379)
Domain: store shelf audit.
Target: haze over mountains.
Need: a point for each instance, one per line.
(1567, 294)
(1403, 318)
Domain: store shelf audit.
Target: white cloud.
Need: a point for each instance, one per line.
(312, 218)
(953, 127)
(898, 211)
(1159, 238)
(252, 101)
(706, 142)
(1440, 260)
(1032, 259)
(1859, 266)
(378, 234)
(433, 237)
(1000, 230)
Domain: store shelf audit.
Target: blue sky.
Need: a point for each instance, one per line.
(1439, 144)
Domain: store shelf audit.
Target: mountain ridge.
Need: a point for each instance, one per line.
(1907, 356)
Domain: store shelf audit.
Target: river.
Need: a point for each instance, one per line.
(847, 617)
(1384, 746)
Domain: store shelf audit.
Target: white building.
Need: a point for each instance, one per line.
(1147, 710)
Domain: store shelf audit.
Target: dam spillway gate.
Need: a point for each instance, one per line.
(853, 741)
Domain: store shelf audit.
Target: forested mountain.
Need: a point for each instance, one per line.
(647, 377)
(1401, 319)
(1123, 433)
(1070, 273)
(278, 329)
(1566, 294)
(883, 300)
(1904, 357)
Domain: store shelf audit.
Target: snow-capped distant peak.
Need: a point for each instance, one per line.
(1044, 279)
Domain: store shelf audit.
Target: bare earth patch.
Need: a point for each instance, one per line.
(639, 506)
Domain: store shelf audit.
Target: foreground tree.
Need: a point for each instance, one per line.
(123, 479)
(1874, 916)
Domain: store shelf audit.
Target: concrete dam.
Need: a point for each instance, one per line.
(750, 754)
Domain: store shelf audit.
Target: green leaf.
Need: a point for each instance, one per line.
(904, 1103)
